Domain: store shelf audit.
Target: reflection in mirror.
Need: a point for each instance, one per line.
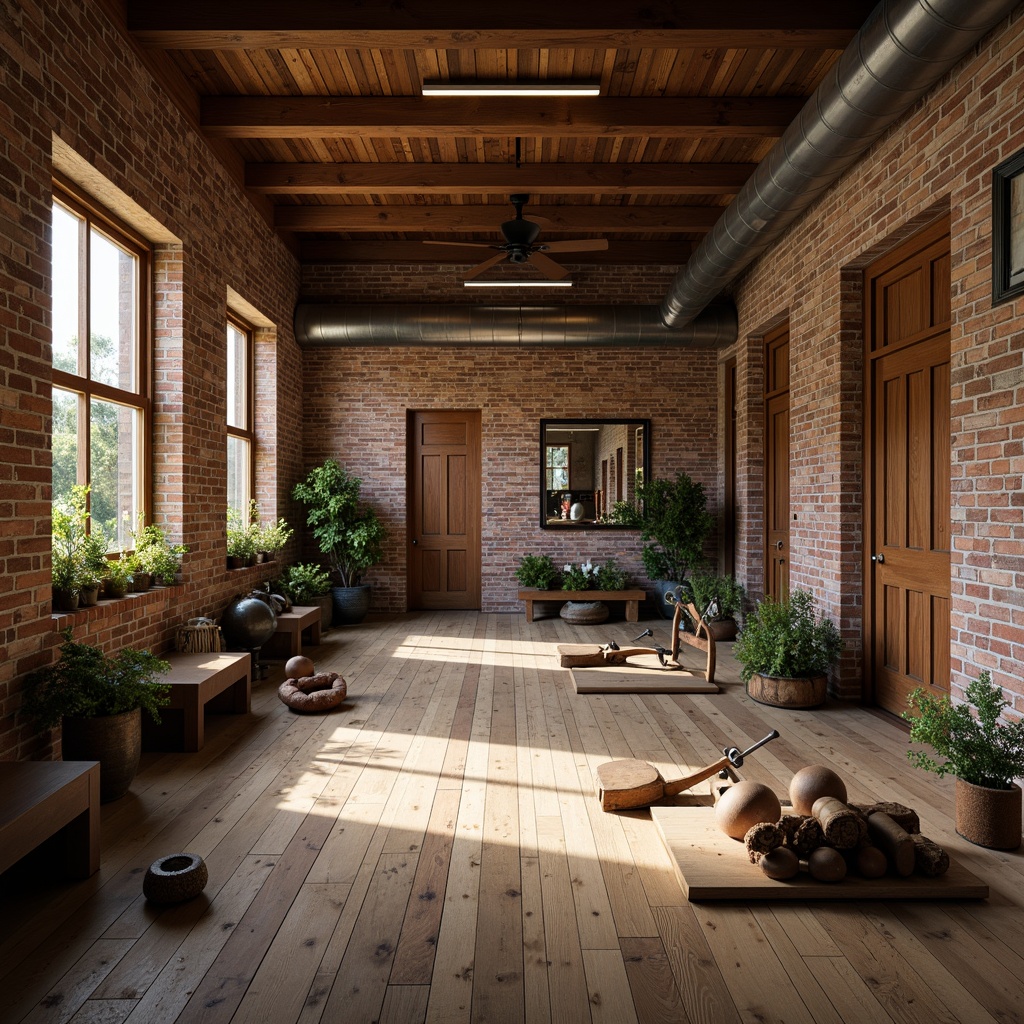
(586, 466)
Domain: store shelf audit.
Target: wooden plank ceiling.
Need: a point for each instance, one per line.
(323, 103)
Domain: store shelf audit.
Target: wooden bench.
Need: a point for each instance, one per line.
(631, 597)
(38, 799)
(196, 680)
(291, 625)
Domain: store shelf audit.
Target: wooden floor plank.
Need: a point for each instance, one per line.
(461, 768)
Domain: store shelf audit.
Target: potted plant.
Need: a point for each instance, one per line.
(156, 555)
(590, 576)
(271, 538)
(349, 533)
(117, 576)
(241, 545)
(717, 598)
(674, 525)
(68, 561)
(98, 700)
(536, 571)
(984, 755)
(785, 651)
(308, 584)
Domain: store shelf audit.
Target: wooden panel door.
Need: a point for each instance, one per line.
(909, 449)
(776, 491)
(444, 504)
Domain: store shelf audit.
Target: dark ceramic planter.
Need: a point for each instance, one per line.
(661, 588)
(113, 740)
(350, 604)
(64, 600)
(989, 817)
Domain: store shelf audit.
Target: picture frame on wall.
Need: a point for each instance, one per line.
(1008, 229)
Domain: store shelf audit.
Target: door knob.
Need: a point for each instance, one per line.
(779, 545)
(415, 541)
(879, 558)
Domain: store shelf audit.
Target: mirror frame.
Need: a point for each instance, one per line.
(637, 422)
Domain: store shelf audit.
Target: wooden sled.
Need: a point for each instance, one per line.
(594, 655)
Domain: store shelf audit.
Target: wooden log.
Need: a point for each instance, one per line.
(844, 828)
(930, 859)
(894, 841)
(762, 838)
(906, 817)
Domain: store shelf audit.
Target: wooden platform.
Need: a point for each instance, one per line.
(712, 866)
(198, 680)
(435, 852)
(632, 599)
(638, 679)
(39, 799)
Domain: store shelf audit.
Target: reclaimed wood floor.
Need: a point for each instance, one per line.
(435, 852)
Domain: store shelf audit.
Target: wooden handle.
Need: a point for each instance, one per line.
(678, 785)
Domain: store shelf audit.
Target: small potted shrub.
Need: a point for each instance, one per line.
(69, 571)
(308, 584)
(157, 556)
(271, 538)
(590, 576)
(241, 540)
(349, 532)
(536, 571)
(785, 651)
(984, 755)
(98, 700)
(117, 577)
(723, 596)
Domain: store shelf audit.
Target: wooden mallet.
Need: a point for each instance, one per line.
(629, 783)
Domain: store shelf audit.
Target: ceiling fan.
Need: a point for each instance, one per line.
(521, 245)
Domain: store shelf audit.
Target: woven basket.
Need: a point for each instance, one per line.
(198, 639)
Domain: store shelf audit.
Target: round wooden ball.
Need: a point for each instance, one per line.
(826, 865)
(780, 864)
(812, 782)
(744, 805)
(299, 666)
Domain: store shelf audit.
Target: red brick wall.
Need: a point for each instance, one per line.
(356, 402)
(939, 159)
(66, 70)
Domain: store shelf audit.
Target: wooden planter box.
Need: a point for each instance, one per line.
(631, 597)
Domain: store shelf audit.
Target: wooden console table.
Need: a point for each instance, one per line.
(631, 597)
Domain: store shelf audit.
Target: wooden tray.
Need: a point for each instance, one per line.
(711, 866)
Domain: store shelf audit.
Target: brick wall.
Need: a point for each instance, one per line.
(357, 398)
(939, 159)
(68, 72)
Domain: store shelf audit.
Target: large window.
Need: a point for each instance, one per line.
(241, 435)
(100, 363)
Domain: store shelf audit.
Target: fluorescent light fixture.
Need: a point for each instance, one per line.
(511, 88)
(517, 284)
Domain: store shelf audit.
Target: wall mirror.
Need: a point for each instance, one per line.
(586, 466)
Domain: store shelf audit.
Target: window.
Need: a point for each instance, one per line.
(241, 434)
(100, 363)
(557, 466)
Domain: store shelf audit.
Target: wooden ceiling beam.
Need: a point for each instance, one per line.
(620, 252)
(446, 179)
(481, 218)
(295, 117)
(469, 24)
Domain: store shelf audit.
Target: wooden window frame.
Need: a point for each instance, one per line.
(248, 432)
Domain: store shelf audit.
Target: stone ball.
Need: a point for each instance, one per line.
(298, 666)
(812, 782)
(744, 805)
(248, 623)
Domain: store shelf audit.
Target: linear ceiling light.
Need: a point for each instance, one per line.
(517, 284)
(511, 89)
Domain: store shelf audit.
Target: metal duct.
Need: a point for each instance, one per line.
(902, 50)
(550, 326)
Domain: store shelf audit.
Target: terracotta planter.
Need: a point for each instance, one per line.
(113, 740)
(787, 692)
(989, 817)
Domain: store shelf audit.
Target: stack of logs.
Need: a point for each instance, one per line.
(836, 836)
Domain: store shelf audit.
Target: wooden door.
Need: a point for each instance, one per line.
(444, 510)
(907, 528)
(776, 491)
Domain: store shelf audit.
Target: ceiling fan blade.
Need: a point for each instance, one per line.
(549, 268)
(486, 265)
(465, 245)
(578, 245)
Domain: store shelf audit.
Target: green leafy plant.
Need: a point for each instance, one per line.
(536, 571)
(272, 537)
(303, 583)
(707, 587)
(786, 638)
(350, 534)
(610, 576)
(86, 683)
(69, 565)
(241, 535)
(674, 525)
(155, 554)
(590, 576)
(975, 746)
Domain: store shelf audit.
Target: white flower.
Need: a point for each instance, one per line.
(567, 567)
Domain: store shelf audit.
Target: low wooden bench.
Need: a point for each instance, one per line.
(38, 799)
(291, 625)
(197, 679)
(631, 597)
